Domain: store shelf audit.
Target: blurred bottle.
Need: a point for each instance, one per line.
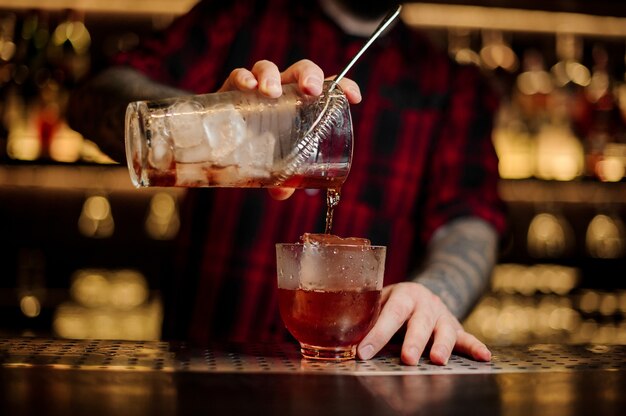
(621, 98)
(496, 53)
(603, 120)
(30, 57)
(68, 57)
(513, 143)
(460, 47)
(7, 53)
(25, 141)
(559, 152)
(559, 149)
(50, 59)
(520, 118)
(532, 87)
(68, 50)
(571, 78)
(543, 108)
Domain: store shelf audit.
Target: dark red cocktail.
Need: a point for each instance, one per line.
(329, 293)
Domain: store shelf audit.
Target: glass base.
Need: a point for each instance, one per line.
(313, 352)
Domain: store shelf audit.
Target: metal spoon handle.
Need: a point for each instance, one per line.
(391, 16)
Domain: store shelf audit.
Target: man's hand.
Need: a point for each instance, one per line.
(427, 320)
(267, 78)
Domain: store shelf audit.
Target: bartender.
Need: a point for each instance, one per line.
(423, 179)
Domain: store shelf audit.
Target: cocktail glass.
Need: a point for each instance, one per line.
(329, 295)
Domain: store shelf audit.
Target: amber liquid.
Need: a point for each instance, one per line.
(333, 195)
(207, 175)
(329, 319)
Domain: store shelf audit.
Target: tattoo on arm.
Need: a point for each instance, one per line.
(460, 259)
(97, 109)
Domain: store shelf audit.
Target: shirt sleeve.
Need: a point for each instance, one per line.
(464, 165)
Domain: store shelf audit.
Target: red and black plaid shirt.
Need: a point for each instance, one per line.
(422, 156)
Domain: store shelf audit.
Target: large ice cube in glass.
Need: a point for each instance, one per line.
(187, 129)
(255, 155)
(191, 174)
(225, 129)
(160, 154)
(338, 262)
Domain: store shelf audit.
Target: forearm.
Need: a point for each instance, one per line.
(460, 258)
(97, 109)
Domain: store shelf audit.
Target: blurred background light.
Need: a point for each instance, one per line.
(30, 306)
(162, 221)
(605, 237)
(96, 219)
(109, 304)
(549, 236)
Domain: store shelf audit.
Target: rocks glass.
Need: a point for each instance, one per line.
(329, 295)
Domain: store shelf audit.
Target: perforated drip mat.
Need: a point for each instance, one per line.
(285, 358)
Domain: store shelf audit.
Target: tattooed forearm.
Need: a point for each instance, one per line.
(97, 109)
(460, 259)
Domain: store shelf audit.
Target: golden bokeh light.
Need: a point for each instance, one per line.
(549, 236)
(30, 306)
(96, 219)
(606, 237)
(162, 221)
(109, 304)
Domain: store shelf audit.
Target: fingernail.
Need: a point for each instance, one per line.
(272, 85)
(485, 354)
(440, 354)
(355, 92)
(249, 82)
(366, 352)
(314, 84)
